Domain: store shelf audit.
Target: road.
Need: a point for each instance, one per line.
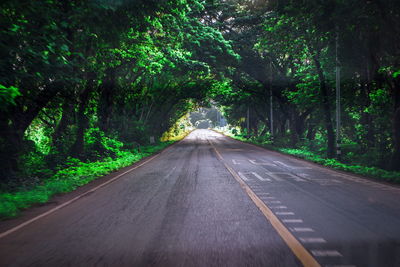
(213, 201)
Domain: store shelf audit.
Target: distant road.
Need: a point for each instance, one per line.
(213, 201)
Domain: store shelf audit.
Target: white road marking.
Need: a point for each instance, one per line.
(269, 197)
(261, 178)
(278, 207)
(276, 178)
(274, 202)
(292, 220)
(252, 161)
(243, 176)
(301, 229)
(326, 253)
(235, 162)
(284, 213)
(290, 167)
(294, 177)
(312, 240)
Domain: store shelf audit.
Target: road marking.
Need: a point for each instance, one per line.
(290, 167)
(298, 249)
(292, 220)
(301, 229)
(235, 162)
(276, 178)
(278, 207)
(294, 177)
(243, 176)
(269, 197)
(16, 228)
(326, 253)
(284, 213)
(252, 161)
(312, 240)
(261, 178)
(274, 201)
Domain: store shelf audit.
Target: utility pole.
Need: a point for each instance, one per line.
(338, 106)
(271, 111)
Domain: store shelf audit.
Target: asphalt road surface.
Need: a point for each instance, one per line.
(213, 201)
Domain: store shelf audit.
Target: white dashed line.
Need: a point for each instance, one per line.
(312, 240)
(273, 176)
(274, 202)
(261, 163)
(261, 178)
(301, 229)
(292, 220)
(290, 167)
(326, 253)
(279, 207)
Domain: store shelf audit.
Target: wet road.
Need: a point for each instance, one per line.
(213, 201)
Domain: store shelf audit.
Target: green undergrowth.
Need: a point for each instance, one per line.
(371, 172)
(68, 179)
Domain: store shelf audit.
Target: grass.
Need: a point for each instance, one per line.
(371, 172)
(68, 179)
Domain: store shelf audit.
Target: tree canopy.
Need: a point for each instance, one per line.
(74, 71)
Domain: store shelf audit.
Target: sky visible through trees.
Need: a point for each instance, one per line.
(83, 81)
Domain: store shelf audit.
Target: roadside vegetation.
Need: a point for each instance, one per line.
(289, 51)
(72, 174)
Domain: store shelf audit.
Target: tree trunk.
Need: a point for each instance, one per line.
(77, 148)
(311, 132)
(395, 162)
(106, 102)
(326, 108)
(396, 136)
(57, 140)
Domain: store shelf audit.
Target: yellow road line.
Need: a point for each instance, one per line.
(301, 253)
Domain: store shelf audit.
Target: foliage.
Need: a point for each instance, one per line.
(67, 179)
(8, 95)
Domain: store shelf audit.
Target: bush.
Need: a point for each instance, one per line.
(74, 174)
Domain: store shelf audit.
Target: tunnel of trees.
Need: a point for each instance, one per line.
(84, 80)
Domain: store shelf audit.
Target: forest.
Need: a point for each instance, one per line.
(84, 84)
